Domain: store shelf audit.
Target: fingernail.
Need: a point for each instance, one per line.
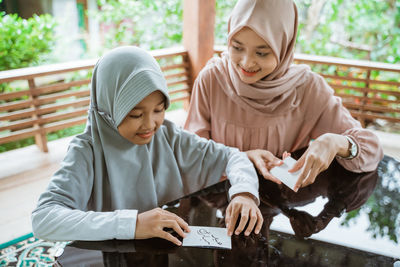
(237, 233)
(247, 233)
(256, 231)
(179, 243)
(229, 233)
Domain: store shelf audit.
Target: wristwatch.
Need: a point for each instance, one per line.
(353, 148)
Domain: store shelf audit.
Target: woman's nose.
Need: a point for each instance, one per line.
(149, 122)
(247, 61)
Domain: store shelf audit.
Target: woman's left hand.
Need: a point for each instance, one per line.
(318, 157)
(243, 204)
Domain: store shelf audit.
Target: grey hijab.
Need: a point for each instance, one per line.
(129, 176)
(121, 79)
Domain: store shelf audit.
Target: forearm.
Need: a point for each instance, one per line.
(241, 174)
(59, 223)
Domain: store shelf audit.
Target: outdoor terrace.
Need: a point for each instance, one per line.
(55, 97)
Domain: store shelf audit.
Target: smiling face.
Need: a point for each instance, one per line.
(251, 56)
(144, 119)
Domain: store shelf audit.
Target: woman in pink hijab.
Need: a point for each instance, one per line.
(254, 98)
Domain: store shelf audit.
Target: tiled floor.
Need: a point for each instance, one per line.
(24, 174)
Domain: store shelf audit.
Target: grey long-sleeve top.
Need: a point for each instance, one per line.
(80, 204)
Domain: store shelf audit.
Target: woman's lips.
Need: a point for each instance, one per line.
(247, 73)
(145, 135)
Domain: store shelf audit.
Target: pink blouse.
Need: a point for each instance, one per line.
(212, 114)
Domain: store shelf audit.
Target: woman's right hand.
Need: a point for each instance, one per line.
(264, 161)
(152, 223)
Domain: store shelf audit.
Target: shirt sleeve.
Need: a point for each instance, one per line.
(202, 163)
(242, 175)
(62, 213)
(198, 120)
(335, 118)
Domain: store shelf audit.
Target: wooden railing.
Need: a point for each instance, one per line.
(49, 98)
(370, 90)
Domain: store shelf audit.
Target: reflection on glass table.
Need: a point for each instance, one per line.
(369, 201)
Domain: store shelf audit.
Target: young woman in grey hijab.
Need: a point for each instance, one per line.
(129, 161)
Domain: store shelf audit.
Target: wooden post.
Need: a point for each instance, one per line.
(198, 33)
(40, 136)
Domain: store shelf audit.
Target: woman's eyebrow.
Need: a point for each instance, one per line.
(236, 41)
(258, 47)
(263, 47)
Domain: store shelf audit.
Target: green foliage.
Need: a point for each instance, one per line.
(24, 42)
(127, 22)
(223, 10)
(372, 25)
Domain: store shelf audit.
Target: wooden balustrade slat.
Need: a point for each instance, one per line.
(18, 135)
(178, 99)
(372, 108)
(374, 116)
(368, 90)
(183, 81)
(58, 87)
(20, 124)
(55, 126)
(53, 97)
(168, 52)
(175, 66)
(53, 107)
(7, 96)
(19, 114)
(353, 79)
(43, 109)
(15, 105)
(45, 70)
(176, 75)
(48, 118)
(176, 91)
(379, 82)
(361, 64)
(381, 101)
(343, 78)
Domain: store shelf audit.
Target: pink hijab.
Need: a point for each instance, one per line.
(276, 22)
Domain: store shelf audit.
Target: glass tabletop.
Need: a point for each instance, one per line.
(343, 219)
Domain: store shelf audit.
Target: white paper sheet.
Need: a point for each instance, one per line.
(207, 237)
(281, 172)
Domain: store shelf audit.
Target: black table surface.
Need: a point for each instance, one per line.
(348, 195)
